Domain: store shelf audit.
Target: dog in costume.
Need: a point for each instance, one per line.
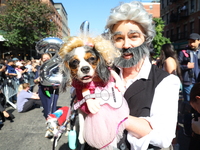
(55, 120)
(86, 65)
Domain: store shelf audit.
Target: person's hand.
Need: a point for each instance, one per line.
(196, 126)
(93, 105)
(37, 80)
(3, 68)
(190, 65)
(120, 86)
(6, 114)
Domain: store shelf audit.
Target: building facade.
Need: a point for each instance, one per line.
(56, 18)
(64, 16)
(153, 8)
(182, 17)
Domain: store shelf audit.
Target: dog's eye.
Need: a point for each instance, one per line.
(92, 59)
(75, 62)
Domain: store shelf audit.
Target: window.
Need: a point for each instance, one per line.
(162, 2)
(185, 30)
(191, 27)
(167, 18)
(167, 34)
(172, 35)
(178, 32)
(192, 6)
(150, 7)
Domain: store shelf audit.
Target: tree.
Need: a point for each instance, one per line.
(159, 40)
(25, 22)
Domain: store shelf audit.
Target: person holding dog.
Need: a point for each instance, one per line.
(151, 93)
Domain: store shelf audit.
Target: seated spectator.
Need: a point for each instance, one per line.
(3, 113)
(27, 100)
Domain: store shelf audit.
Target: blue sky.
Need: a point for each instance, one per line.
(94, 11)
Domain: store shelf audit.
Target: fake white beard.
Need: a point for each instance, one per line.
(138, 53)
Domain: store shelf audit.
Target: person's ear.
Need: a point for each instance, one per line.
(197, 97)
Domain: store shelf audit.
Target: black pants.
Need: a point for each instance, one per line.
(30, 104)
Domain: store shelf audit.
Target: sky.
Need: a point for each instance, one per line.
(95, 12)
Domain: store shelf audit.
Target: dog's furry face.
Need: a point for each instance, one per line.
(52, 127)
(83, 63)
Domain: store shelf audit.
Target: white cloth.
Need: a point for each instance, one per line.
(196, 126)
(163, 114)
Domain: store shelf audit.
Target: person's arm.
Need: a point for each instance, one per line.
(6, 114)
(138, 127)
(3, 68)
(181, 60)
(23, 71)
(35, 96)
(12, 74)
(118, 81)
(170, 65)
(37, 78)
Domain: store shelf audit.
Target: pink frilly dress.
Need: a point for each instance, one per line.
(106, 127)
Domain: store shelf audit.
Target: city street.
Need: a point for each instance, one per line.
(28, 130)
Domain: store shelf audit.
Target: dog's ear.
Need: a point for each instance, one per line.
(102, 69)
(66, 80)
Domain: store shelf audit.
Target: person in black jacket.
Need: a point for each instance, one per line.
(3, 113)
(189, 60)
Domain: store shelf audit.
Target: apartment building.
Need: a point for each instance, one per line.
(64, 16)
(182, 17)
(153, 8)
(56, 18)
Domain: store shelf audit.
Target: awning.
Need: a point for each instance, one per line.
(1, 38)
(180, 45)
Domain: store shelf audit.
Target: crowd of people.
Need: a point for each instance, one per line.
(16, 77)
(152, 90)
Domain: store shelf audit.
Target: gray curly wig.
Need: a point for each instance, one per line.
(133, 11)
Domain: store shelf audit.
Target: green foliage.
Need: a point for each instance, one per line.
(26, 22)
(159, 40)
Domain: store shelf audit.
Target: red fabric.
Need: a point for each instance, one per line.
(63, 117)
(91, 86)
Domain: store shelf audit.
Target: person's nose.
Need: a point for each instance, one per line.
(127, 43)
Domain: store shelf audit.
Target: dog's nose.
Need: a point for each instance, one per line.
(85, 69)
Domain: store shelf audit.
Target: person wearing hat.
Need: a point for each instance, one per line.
(18, 69)
(15, 59)
(189, 60)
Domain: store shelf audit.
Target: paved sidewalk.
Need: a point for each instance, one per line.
(28, 130)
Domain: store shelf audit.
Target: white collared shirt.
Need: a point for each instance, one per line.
(163, 114)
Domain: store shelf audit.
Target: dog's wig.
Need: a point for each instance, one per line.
(103, 49)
